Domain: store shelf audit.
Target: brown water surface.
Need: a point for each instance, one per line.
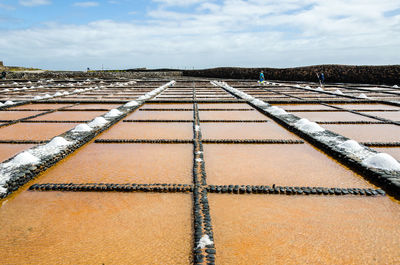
(393, 151)
(34, 131)
(367, 132)
(284, 165)
(366, 106)
(167, 106)
(9, 150)
(231, 115)
(161, 115)
(16, 115)
(125, 163)
(95, 106)
(276, 229)
(149, 130)
(390, 115)
(41, 106)
(69, 116)
(224, 106)
(267, 130)
(332, 116)
(96, 228)
(302, 106)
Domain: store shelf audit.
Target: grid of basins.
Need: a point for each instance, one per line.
(201, 163)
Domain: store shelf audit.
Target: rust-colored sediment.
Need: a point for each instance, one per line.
(367, 132)
(275, 229)
(96, 228)
(161, 115)
(34, 131)
(125, 163)
(69, 116)
(16, 115)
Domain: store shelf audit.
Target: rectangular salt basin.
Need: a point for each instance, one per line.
(302, 106)
(34, 131)
(389, 115)
(393, 151)
(366, 106)
(231, 115)
(125, 163)
(269, 130)
(168, 106)
(9, 150)
(42, 106)
(331, 116)
(224, 106)
(367, 132)
(283, 165)
(150, 130)
(70, 116)
(95, 106)
(96, 228)
(16, 115)
(276, 229)
(160, 115)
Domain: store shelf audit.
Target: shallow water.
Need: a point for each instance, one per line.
(16, 115)
(332, 116)
(96, 228)
(70, 116)
(365, 106)
(149, 130)
(125, 163)
(161, 115)
(41, 106)
(276, 229)
(390, 115)
(95, 106)
(267, 130)
(301, 106)
(367, 132)
(393, 151)
(231, 115)
(283, 165)
(223, 106)
(34, 131)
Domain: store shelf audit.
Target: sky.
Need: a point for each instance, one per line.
(186, 34)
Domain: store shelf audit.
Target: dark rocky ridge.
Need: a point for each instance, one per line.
(387, 74)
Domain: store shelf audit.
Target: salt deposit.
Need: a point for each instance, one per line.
(308, 126)
(276, 111)
(204, 241)
(25, 158)
(113, 113)
(98, 122)
(362, 95)
(82, 128)
(57, 142)
(382, 161)
(338, 92)
(132, 103)
(351, 146)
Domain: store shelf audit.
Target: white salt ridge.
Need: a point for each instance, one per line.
(82, 128)
(113, 113)
(98, 122)
(3, 191)
(25, 158)
(204, 241)
(47, 96)
(132, 103)
(57, 142)
(362, 95)
(395, 86)
(259, 103)
(58, 94)
(9, 102)
(337, 91)
(382, 161)
(276, 111)
(319, 89)
(1, 104)
(351, 146)
(199, 160)
(37, 97)
(197, 128)
(308, 126)
(308, 87)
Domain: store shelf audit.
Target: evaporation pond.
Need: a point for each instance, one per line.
(168, 106)
(125, 163)
(389, 115)
(231, 115)
(96, 228)
(223, 106)
(331, 116)
(70, 116)
(283, 165)
(160, 115)
(9, 150)
(268, 130)
(150, 130)
(393, 151)
(276, 229)
(16, 115)
(366, 106)
(34, 131)
(95, 106)
(41, 106)
(367, 132)
(303, 106)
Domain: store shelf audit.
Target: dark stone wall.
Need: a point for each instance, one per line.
(388, 74)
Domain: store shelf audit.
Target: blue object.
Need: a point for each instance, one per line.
(261, 77)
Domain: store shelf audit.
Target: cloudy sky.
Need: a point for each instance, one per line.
(118, 34)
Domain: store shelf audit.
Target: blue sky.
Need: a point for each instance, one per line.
(118, 34)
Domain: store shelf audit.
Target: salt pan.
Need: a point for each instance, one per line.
(362, 95)
(82, 128)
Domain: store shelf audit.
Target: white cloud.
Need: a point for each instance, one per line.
(34, 2)
(233, 33)
(86, 4)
